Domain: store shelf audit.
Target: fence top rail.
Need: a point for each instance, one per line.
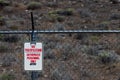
(56, 31)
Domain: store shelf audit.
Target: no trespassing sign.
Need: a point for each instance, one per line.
(33, 56)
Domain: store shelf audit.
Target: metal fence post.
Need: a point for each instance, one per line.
(33, 39)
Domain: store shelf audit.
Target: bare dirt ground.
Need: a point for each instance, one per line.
(66, 56)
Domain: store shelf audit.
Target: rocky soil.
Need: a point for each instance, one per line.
(66, 56)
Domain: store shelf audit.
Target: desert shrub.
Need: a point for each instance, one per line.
(67, 51)
(12, 38)
(2, 21)
(34, 5)
(49, 54)
(80, 36)
(19, 6)
(60, 18)
(1, 36)
(7, 59)
(107, 57)
(52, 18)
(94, 38)
(84, 13)
(59, 15)
(3, 48)
(14, 27)
(56, 75)
(64, 12)
(7, 77)
(56, 17)
(4, 3)
(8, 9)
(115, 16)
(105, 22)
(91, 50)
(103, 25)
(51, 4)
(60, 74)
(59, 26)
(9, 38)
(115, 1)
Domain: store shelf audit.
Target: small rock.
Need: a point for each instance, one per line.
(45, 76)
(85, 13)
(11, 70)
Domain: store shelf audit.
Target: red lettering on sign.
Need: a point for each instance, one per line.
(32, 50)
(33, 61)
(33, 46)
(33, 54)
(33, 58)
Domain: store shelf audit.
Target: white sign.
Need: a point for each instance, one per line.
(33, 56)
